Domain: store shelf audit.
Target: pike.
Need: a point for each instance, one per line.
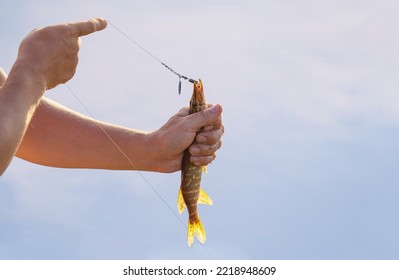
(190, 193)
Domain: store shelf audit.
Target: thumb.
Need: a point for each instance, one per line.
(206, 117)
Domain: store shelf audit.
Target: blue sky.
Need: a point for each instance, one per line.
(308, 168)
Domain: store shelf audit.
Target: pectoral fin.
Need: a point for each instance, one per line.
(204, 198)
(181, 205)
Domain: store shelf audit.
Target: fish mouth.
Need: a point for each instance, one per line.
(199, 91)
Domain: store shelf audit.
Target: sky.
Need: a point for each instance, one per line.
(308, 166)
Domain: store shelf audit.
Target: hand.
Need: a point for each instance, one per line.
(180, 132)
(208, 140)
(51, 53)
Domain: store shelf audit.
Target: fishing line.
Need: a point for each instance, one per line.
(156, 58)
(133, 165)
(120, 149)
(125, 155)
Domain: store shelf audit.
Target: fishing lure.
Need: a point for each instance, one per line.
(156, 58)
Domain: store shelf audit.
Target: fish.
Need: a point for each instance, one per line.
(190, 192)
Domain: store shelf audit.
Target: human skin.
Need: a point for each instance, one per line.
(39, 130)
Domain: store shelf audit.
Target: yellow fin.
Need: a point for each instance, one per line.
(204, 198)
(195, 229)
(181, 205)
(204, 169)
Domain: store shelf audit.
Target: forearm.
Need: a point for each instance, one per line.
(60, 137)
(19, 97)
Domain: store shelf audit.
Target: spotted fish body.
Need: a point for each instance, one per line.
(190, 193)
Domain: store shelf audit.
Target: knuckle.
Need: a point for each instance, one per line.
(218, 145)
(213, 138)
(206, 116)
(215, 147)
(210, 149)
(218, 123)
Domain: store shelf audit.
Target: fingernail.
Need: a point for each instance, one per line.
(201, 139)
(195, 161)
(217, 109)
(195, 150)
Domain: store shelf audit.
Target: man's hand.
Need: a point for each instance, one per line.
(50, 54)
(46, 58)
(179, 133)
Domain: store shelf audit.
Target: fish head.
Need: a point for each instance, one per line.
(198, 102)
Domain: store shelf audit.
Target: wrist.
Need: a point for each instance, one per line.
(161, 154)
(24, 74)
(153, 154)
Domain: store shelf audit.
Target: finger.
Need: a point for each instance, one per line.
(204, 150)
(86, 27)
(213, 126)
(202, 160)
(210, 137)
(206, 117)
(183, 112)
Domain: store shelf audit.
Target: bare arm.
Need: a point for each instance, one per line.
(19, 96)
(46, 57)
(60, 137)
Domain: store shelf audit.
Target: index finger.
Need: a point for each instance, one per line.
(87, 27)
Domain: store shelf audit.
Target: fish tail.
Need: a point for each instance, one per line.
(195, 228)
